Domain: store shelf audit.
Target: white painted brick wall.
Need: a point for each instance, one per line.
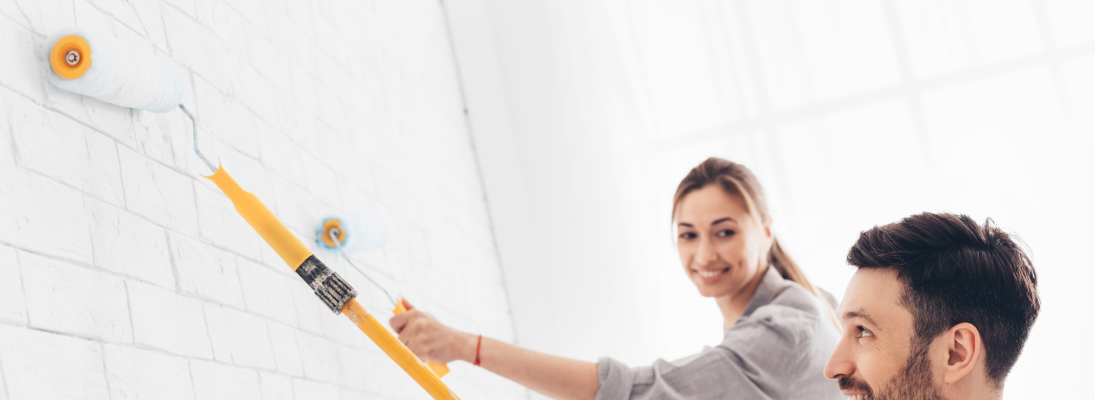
(66, 151)
(125, 275)
(13, 305)
(239, 338)
(58, 228)
(222, 381)
(283, 339)
(43, 365)
(265, 292)
(68, 299)
(158, 193)
(275, 387)
(314, 390)
(166, 321)
(129, 245)
(143, 374)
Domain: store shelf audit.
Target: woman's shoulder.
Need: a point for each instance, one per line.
(795, 297)
(783, 296)
(787, 310)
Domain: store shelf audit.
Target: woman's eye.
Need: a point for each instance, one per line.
(725, 233)
(863, 332)
(688, 235)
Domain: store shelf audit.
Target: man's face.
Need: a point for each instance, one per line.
(875, 358)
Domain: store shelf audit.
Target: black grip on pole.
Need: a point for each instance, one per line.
(328, 286)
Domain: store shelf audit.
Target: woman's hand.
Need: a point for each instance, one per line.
(431, 340)
(556, 377)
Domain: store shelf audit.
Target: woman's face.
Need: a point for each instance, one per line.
(720, 243)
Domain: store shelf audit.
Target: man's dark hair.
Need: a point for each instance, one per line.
(956, 271)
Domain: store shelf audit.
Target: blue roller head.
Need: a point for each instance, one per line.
(367, 232)
(375, 234)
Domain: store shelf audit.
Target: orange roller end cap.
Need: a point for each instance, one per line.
(331, 224)
(70, 57)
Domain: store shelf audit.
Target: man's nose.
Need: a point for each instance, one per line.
(841, 362)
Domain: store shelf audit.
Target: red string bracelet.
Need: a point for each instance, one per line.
(477, 345)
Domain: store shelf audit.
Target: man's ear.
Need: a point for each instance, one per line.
(964, 348)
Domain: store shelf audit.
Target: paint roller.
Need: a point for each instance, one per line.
(342, 233)
(96, 65)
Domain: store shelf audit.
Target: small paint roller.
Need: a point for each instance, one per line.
(98, 66)
(344, 233)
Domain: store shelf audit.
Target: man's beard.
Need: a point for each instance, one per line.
(913, 383)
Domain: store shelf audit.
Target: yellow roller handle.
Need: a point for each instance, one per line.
(438, 368)
(262, 220)
(397, 351)
(293, 251)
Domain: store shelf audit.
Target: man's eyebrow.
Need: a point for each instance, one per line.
(859, 313)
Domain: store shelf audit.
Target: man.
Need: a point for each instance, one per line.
(939, 308)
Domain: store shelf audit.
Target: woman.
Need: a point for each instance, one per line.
(779, 329)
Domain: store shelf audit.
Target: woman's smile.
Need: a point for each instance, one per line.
(709, 275)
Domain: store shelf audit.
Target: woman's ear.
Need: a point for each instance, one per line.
(964, 348)
(768, 242)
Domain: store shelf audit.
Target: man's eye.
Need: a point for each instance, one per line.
(725, 233)
(688, 235)
(863, 332)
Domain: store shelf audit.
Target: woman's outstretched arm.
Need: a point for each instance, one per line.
(555, 377)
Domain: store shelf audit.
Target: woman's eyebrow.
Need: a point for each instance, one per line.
(684, 224)
(721, 220)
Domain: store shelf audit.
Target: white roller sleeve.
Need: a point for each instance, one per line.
(124, 75)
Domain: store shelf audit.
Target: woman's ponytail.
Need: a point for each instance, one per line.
(788, 269)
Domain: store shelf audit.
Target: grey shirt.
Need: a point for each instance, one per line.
(777, 350)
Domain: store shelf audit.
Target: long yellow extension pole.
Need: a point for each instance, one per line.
(328, 286)
(399, 353)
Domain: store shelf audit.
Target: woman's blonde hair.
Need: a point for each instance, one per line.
(737, 180)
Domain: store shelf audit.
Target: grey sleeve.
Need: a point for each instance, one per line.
(757, 360)
(614, 379)
(708, 375)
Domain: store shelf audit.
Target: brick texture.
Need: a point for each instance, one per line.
(42, 365)
(126, 275)
(143, 374)
(13, 306)
(66, 298)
